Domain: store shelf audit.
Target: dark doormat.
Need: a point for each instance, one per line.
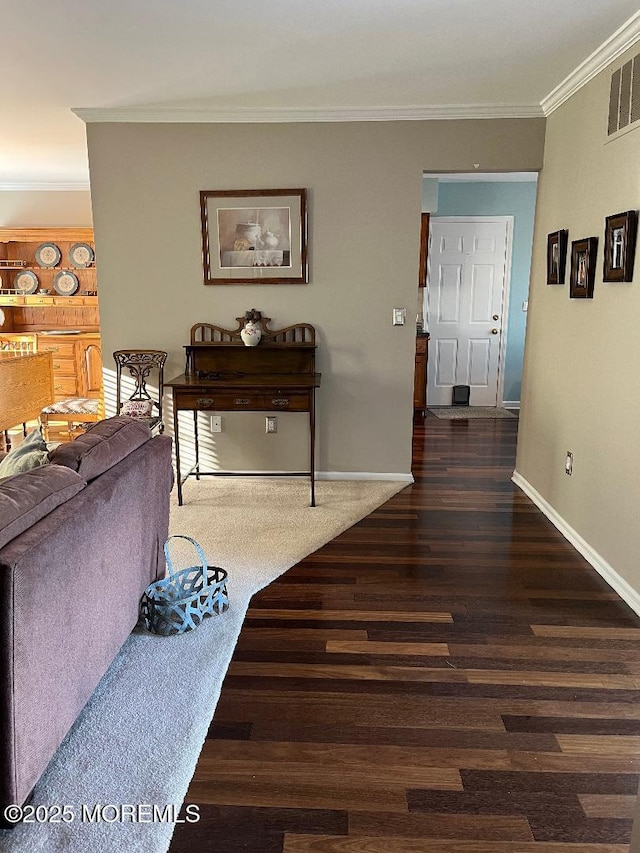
(467, 412)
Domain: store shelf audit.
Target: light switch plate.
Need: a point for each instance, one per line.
(399, 316)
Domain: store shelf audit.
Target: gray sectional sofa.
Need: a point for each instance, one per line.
(80, 539)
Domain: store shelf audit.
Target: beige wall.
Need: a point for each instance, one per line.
(34, 209)
(364, 182)
(580, 385)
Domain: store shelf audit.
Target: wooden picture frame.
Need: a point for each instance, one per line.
(557, 256)
(254, 236)
(620, 246)
(583, 267)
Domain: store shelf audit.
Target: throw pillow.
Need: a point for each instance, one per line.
(32, 453)
(137, 409)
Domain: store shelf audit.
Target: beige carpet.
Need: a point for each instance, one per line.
(260, 527)
(470, 412)
(139, 736)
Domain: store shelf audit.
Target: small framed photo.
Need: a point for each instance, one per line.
(254, 236)
(583, 267)
(556, 256)
(620, 245)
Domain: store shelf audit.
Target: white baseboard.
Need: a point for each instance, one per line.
(510, 404)
(320, 475)
(626, 592)
(363, 475)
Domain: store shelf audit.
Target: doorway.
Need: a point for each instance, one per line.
(467, 293)
(481, 197)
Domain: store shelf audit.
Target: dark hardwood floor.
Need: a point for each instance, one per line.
(448, 676)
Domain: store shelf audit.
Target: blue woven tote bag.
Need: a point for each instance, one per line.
(180, 602)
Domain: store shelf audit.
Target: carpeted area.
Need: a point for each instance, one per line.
(138, 739)
(467, 412)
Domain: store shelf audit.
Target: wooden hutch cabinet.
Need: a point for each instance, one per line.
(56, 302)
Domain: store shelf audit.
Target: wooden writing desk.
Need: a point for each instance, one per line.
(26, 386)
(224, 375)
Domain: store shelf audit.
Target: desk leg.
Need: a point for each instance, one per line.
(312, 439)
(176, 439)
(195, 435)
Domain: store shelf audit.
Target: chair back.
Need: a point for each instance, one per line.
(140, 364)
(21, 343)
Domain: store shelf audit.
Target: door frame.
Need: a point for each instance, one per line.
(506, 285)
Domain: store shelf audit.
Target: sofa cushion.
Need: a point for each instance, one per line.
(102, 446)
(31, 453)
(26, 498)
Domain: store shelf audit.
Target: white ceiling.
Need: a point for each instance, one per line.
(504, 56)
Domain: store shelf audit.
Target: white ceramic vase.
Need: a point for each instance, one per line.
(251, 334)
(271, 240)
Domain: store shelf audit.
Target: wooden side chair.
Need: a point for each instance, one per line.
(79, 411)
(22, 344)
(18, 342)
(73, 410)
(141, 364)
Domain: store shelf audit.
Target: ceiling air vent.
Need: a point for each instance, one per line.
(624, 97)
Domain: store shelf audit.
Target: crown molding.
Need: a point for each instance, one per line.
(608, 52)
(241, 115)
(44, 186)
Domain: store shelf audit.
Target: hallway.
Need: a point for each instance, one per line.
(447, 676)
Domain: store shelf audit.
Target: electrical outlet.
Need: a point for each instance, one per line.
(399, 316)
(568, 464)
(271, 424)
(216, 423)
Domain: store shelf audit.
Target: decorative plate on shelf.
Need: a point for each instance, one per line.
(48, 255)
(26, 282)
(65, 283)
(81, 255)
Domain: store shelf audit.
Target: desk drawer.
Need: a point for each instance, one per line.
(64, 366)
(226, 402)
(65, 386)
(65, 349)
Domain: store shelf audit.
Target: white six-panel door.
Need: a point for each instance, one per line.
(465, 303)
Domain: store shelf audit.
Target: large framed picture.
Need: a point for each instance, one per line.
(583, 267)
(620, 245)
(556, 256)
(254, 236)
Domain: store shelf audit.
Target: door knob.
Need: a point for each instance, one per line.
(496, 316)
(494, 331)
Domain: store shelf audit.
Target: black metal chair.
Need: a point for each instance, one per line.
(141, 364)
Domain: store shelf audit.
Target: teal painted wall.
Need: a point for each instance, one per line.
(509, 198)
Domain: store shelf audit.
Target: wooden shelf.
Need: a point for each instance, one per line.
(46, 235)
(45, 299)
(18, 265)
